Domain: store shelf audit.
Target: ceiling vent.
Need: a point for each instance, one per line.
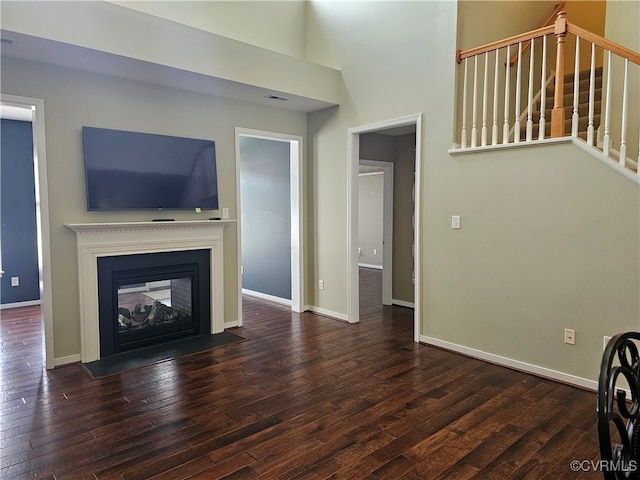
(8, 41)
(276, 97)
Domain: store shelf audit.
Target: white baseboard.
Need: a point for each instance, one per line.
(58, 362)
(30, 303)
(370, 265)
(402, 303)
(265, 296)
(511, 363)
(328, 313)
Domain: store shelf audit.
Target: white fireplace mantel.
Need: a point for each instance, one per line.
(96, 240)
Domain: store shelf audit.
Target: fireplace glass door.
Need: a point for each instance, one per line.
(149, 299)
(152, 309)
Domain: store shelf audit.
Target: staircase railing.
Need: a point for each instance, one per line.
(604, 83)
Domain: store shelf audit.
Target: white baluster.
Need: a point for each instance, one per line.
(606, 140)
(530, 97)
(575, 118)
(463, 142)
(543, 91)
(483, 140)
(474, 116)
(505, 128)
(494, 129)
(516, 125)
(591, 94)
(623, 127)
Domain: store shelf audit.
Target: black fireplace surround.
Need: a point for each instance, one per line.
(190, 268)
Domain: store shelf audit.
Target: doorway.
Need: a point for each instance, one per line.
(353, 148)
(33, 109)
(294, 243)
(386, 170)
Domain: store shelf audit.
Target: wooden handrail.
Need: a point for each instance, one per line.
(550, 19)
(539, 32)
(604, 43)
(571, 28)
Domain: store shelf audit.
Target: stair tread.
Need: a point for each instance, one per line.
(582, 74)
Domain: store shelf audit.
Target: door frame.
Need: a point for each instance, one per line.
(36, 106)
(353, 156)
(387, 227)
(296, 162)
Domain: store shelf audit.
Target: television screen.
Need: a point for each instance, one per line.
(143, 171)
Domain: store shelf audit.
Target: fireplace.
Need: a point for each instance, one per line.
(146, 299)
(96, 241)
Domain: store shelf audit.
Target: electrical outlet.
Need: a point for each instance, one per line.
(225, 213)
(569, 336)
(15, 281)
(241, 269)
(455, 221)
(605, 341)
(375, 252)
(321, 284)
(359, 251)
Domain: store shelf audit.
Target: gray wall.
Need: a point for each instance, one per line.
(18, 213)
(74, 98)
(266, 216)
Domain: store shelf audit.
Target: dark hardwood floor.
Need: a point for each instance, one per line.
(304, 397)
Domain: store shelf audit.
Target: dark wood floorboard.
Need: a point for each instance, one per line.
(305, 397)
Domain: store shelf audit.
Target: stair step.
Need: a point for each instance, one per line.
(583, 110)
(583, 74)
(567, 99)
(583, 85)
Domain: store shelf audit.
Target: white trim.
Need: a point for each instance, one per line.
(267, 297)
(328, 313)
(387, 226)
(511, 363)
(36, 105)
(232, 324)
(417, 239)
(95, 240)
(28, 303)
(369, 265)
(58, 362)
(577, 141)
(353, 155)
(353, 257)
(402, 303)
(298, 206)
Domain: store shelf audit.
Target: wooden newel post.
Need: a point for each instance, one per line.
(557, 114)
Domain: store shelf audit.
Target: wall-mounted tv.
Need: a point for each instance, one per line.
(144, 171)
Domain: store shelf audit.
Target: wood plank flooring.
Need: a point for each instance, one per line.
(305, 397)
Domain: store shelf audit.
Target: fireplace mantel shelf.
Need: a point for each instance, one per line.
(84, 228)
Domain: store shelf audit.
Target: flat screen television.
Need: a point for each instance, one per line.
(143, 171)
